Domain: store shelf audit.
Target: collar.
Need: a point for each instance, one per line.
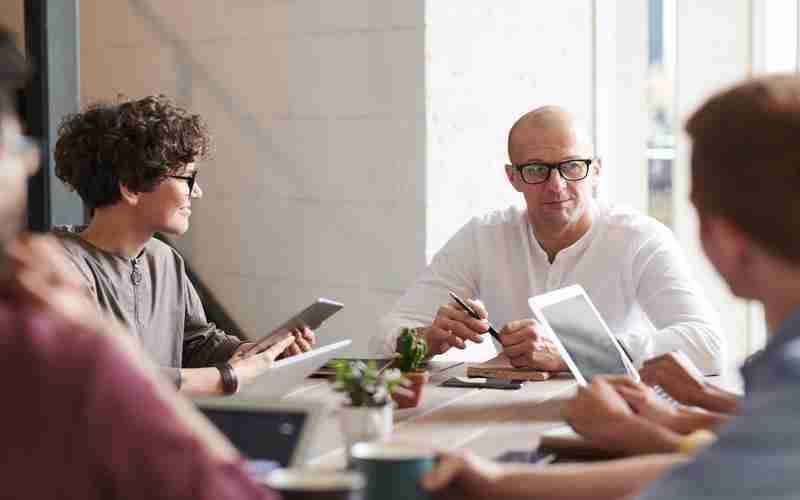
(74, 232)
(583, 242)
(761, 364)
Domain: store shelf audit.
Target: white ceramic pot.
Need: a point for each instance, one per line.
(365, 423)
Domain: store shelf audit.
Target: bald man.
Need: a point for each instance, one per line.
(630, 264)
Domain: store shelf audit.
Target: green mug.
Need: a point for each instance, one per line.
(393, 471)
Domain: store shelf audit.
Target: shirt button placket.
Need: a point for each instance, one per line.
(136, 279)
(554, 276)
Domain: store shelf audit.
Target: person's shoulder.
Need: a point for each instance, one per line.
(623, 221)
(510, 216)
(162, 255)
(160, 248)
(786, 361)
(75, 249)
(158, 245)
(68, 236)
(41, 337)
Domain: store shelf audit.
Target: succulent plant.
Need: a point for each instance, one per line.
(411, 350)
(364, 384)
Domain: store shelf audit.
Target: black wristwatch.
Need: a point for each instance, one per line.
(230, 382)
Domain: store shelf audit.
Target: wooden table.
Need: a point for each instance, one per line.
(486, 421)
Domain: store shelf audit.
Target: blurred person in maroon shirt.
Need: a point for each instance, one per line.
(85, 415)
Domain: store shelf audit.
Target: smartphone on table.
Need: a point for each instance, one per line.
(482, 383)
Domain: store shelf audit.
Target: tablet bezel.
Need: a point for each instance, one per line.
(539, 302)
(314, 414)
(299, 319)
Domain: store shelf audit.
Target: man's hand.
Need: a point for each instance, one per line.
(676, 374)
(527, 346)
(453, 326)
(598, 413)
(304, 340)
(462, 476)
(252, 366)
(601, 415)
(644, 401)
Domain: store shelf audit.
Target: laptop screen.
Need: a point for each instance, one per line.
(261, 435)
(585, 339)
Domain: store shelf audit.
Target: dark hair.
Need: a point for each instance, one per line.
(746, 160)
(14, 71)
(136, 143)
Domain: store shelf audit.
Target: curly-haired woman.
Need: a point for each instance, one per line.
(134, 166)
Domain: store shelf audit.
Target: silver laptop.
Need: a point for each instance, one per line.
(583, 339)
(286, 374)
(268, 434)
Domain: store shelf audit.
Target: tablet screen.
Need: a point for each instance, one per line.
(260, 435)
(581, 332)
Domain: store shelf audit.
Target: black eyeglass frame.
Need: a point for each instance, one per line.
(555, 166)
(191, 180)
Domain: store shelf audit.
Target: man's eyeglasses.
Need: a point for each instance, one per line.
(190, 180)
(571, 170)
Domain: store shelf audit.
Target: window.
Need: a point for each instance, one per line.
(660, 95)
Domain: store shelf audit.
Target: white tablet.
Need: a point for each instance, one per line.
(582, 337)
(312, 317)
(286, 374)
(276, 432)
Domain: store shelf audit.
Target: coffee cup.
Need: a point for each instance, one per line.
(392, 471)
(316, 484)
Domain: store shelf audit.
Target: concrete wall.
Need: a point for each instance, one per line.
(487, 64)
(355, 136)
(352, 137)
(317, 107)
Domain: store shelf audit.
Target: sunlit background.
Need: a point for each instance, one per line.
(353, 137)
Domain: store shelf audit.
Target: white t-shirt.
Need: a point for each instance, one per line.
(630, 265)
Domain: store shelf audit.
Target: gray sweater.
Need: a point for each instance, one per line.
(152, 295)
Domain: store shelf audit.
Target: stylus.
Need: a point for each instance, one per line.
(472, 313)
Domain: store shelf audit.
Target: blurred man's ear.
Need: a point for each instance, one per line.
(128, 196)
(597, 166)
(731, 252)
(512, 177)
(596, 169)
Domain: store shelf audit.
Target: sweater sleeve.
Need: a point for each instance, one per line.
(203, 343)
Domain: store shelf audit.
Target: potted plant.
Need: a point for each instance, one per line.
(367, 415)
(412, 351)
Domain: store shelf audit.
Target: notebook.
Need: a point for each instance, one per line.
(500, 367)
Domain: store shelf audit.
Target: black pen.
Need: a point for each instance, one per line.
(472, 313)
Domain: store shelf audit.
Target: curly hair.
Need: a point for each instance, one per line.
(136, 143)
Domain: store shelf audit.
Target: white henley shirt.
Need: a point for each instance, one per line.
(630, 265)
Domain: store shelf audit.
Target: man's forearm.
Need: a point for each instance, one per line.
(688, 420)
(201, 382)
(718, 400)
(606, 480)
(643, 436)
